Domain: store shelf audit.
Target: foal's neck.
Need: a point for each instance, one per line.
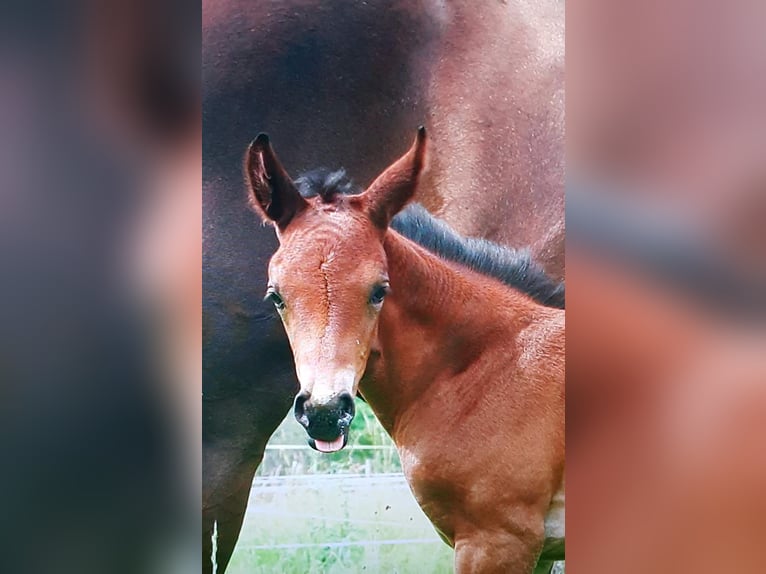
(437, 320)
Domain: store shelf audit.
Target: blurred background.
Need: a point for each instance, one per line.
(350, 511)
(100, 288)
(666, 354)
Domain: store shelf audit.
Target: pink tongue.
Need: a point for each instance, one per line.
(324, 446)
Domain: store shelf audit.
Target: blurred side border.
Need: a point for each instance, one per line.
(99, 103)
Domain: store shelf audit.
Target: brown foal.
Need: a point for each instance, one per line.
(465, 373)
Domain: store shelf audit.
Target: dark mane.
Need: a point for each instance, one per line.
(326, 184)
(514, 267)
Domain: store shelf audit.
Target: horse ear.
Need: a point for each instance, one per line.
(392, 189)
(272, 193)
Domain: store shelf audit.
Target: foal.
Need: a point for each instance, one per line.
(465, 373)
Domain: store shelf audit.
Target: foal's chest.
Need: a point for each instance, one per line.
(436, 497)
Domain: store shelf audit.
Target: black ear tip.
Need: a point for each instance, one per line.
(421, 132)
(260, 141)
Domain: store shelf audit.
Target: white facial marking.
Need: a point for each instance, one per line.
(340, 381)
(306, 375)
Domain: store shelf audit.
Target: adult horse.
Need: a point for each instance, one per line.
(489, 82)
(465, 374)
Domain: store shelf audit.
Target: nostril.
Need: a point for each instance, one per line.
(300, 408)
(347, 406)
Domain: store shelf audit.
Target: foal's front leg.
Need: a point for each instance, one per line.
(496, 553)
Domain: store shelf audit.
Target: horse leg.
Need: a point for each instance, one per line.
(222, 521)
(207, 542)
(484, 554)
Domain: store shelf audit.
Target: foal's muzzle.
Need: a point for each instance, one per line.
(326, 422)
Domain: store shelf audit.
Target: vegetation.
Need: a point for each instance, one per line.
(365, 432)
(347, 512)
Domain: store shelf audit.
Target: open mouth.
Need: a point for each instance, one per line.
(330, 446)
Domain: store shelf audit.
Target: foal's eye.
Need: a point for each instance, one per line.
(275, 298)
(378, 294)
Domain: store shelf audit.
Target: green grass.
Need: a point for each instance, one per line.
(305, 519)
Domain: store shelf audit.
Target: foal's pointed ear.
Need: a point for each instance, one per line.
(272, 193)
(391, 191)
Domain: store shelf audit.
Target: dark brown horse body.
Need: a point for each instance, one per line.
(488, 80)
(465, 374)
(340, 84)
